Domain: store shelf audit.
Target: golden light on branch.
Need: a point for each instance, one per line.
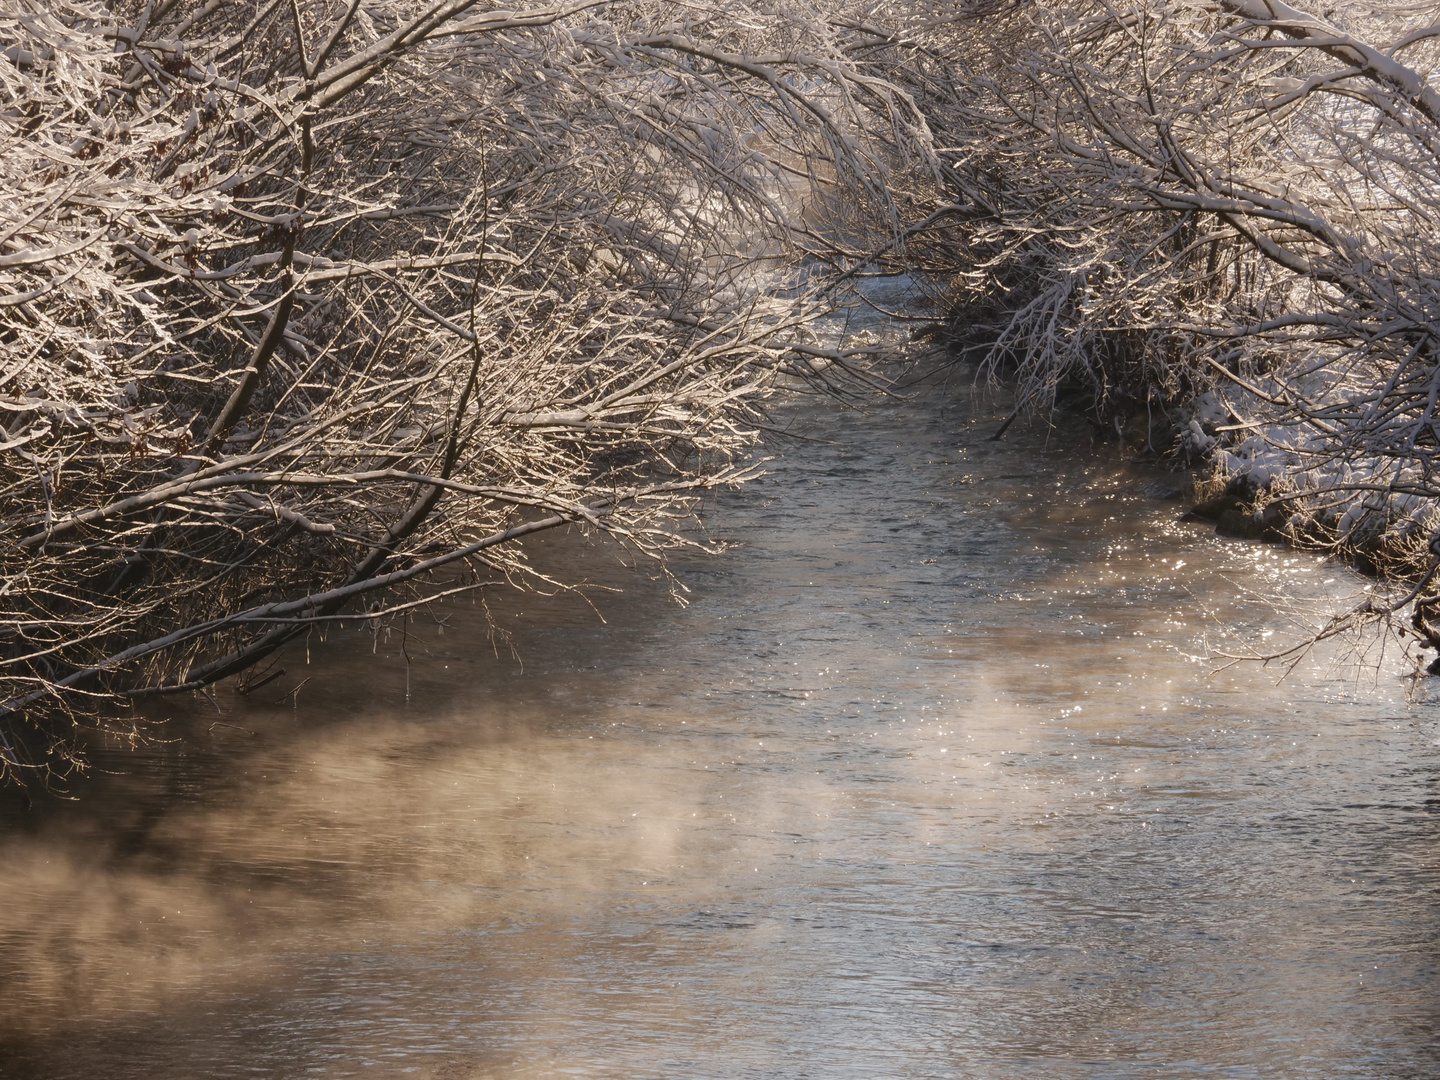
(300, 301)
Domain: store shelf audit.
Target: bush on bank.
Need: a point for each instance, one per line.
(313, 309)
(1227, 208)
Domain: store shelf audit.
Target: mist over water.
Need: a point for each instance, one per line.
(929, 779)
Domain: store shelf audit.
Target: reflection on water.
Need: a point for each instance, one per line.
(925, 782)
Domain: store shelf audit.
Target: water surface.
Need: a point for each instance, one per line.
(929, 779)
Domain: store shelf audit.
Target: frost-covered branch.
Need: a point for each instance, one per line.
(1227, 205)
(302, 301)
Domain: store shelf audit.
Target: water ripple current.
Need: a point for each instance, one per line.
(927, 780)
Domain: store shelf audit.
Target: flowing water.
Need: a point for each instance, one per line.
(929, 779)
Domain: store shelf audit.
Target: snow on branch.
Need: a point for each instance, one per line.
(306, 299)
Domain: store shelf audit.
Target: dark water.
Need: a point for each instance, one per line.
(928, 780)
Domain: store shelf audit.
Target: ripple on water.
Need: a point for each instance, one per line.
(926, 781)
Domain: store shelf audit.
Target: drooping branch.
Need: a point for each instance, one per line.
(303, 302)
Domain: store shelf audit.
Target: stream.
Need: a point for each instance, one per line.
(936, 774)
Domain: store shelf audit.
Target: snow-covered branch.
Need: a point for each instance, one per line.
(300, 301)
